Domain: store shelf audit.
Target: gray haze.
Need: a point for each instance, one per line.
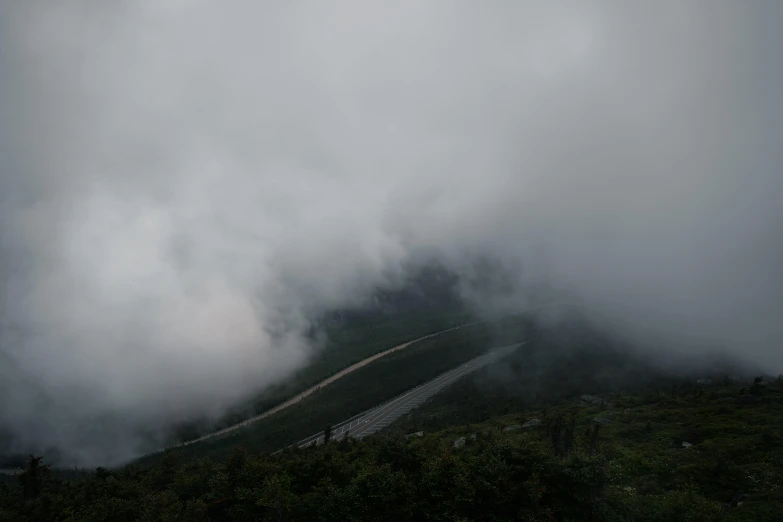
(184, 184)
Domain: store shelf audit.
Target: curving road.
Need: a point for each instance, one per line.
(376, 419)
(333, 378)
(320, 385)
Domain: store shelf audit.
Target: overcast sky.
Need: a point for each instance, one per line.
(183, 184)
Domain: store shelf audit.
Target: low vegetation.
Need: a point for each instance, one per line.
(571, 427)
(347, 340)
(619, 461)
(361, 390)
(562, 363)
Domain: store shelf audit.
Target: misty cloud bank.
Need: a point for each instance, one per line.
(185, 185)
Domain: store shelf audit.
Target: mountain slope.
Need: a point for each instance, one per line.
(630, 466)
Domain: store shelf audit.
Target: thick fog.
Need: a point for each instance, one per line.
(185, 184)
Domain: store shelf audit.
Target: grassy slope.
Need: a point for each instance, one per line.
(346, 346)
(346, 343)
(563, 363)
(736, 436)
(638, 472)
(737, 443)
(362, 389)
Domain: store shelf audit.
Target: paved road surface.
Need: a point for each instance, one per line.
(320, 385)
(380, 417)
(374, 420)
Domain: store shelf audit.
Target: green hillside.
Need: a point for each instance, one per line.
(629, 466)
(345, 342)
(611, 435)
(363, 389)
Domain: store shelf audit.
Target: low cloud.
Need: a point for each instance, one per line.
(184, 186)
